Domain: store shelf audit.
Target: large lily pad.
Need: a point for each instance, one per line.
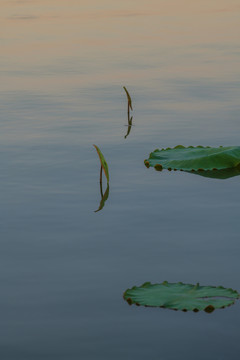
(179, 296)
(195, 158)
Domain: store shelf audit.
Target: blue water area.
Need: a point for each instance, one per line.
(64, 267)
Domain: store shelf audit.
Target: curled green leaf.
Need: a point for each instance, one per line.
(103, 162)
(128, 97)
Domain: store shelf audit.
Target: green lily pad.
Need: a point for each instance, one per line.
(179, 296)
(195, 158)
(103, 162)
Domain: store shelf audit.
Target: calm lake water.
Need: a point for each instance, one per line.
(64, 267)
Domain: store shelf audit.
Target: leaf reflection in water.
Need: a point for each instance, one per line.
(104, 197)
(104, 167)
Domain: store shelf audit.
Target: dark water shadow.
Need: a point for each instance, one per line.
(218, 174)
(222, 174)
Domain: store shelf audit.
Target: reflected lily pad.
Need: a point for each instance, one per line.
(179, 296)
(218, 174)
(221, 162)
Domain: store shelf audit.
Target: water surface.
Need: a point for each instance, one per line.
(64, 267)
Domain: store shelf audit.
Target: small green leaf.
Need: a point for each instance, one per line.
(129, 98)
(103, 162)
(179, 296)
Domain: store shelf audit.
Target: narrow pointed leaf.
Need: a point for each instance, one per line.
(103, 162)
(128, 97)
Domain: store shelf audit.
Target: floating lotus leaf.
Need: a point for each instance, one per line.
(196, 159)
(181, 296)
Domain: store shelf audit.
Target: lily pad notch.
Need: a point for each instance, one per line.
(179, 296)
